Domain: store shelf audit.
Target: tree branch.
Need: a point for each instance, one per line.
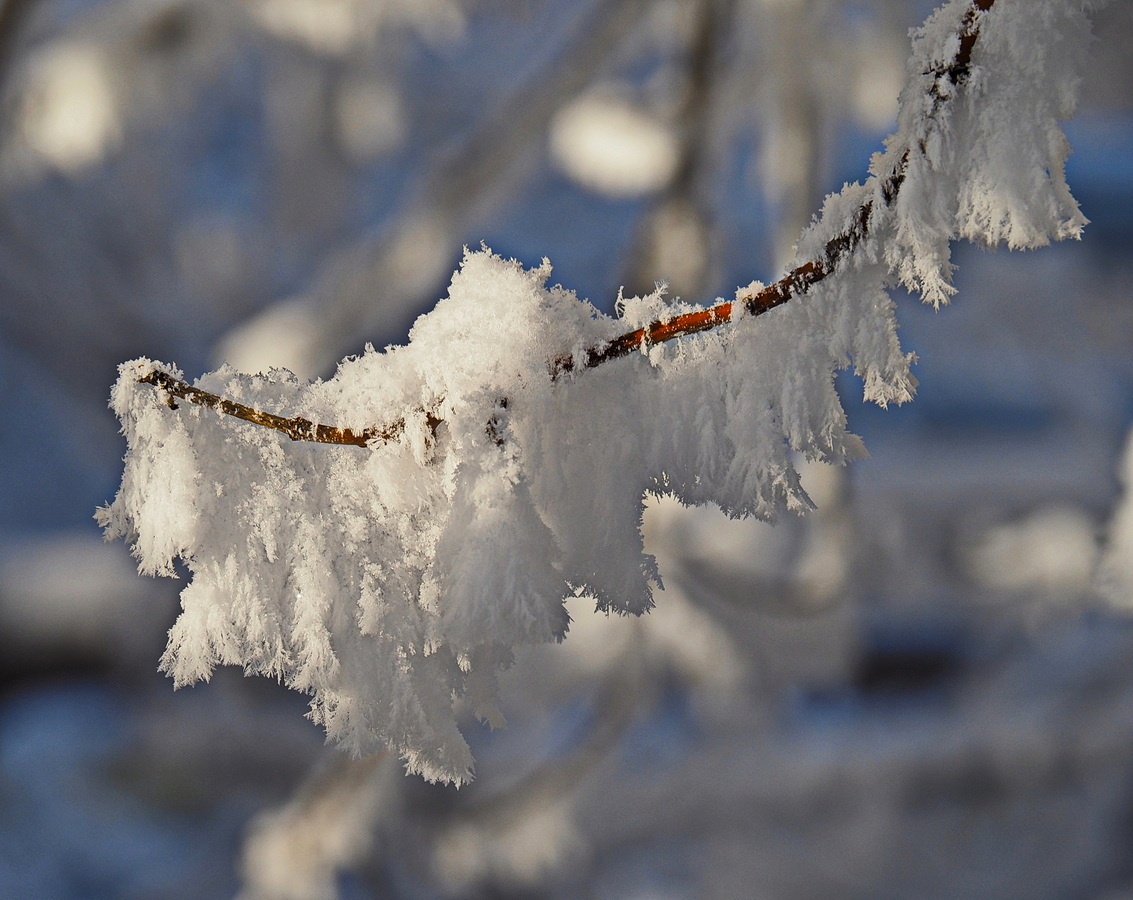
(795, 283)
(296, 428)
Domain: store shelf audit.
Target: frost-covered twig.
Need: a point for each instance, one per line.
(394, 587)
(296, 428)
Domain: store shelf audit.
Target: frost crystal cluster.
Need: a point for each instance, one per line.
(391, 582)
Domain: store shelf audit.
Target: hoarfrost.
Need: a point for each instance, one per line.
(393, 582)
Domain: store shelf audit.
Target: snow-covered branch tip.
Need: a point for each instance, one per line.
(946, 77)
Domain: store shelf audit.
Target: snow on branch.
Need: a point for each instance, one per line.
(511, 464)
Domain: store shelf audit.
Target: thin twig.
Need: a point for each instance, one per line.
(296, 428)
(795, 283)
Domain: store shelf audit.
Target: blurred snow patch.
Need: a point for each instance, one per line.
(877, 79)
(68, 112)
(703, 534)
(296, 852)
(329, 26)
(284, 336)
(1052, 550)
(675, 636)
(369, 119)
(67, 589)
(608, 145)
(334, 27)
(517, 850)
